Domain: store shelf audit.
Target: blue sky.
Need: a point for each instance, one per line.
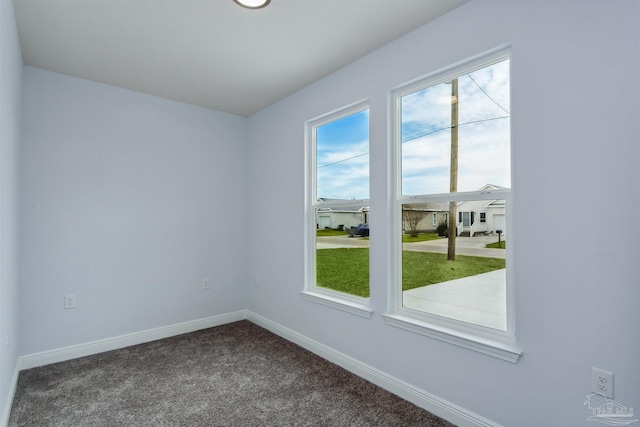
(484, 140)
(343, 158)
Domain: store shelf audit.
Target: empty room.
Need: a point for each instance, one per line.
(311, 212)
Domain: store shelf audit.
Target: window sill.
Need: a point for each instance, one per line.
(352, 307)
(486, 346)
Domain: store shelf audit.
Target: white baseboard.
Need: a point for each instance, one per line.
(9, 402)
(432, 403)
(114, 343)
(421, 398)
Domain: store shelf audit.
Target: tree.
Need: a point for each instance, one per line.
(443, 229)
(412, 218)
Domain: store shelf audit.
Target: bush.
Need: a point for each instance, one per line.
(443, 229)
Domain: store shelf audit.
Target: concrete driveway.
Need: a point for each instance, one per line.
(472, 246)
(479, 299)
(332, 242)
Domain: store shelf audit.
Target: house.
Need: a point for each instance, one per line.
(474, 217)
(482, 217)
(425, 217)
(342, 217)
(128, 200)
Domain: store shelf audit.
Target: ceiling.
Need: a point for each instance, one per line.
(212, 53)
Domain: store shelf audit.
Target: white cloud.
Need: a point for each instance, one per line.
(484, 141)
(349, 177)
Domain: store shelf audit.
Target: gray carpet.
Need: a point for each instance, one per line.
(233, 375)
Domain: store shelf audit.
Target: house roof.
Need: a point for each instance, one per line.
(492, 187)
(495, 203)
(354, 208)
(429, 207)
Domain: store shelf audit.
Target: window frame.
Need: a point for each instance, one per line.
(342, 301)
(493, 342)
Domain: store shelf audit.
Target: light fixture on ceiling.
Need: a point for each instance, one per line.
(253, 4)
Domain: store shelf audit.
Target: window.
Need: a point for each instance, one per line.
(337, 193)
(452, 147)
(434, 219)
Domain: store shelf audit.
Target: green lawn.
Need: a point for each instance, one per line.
(347, 269)
(422, 237)
(330, 232)
(502, 245)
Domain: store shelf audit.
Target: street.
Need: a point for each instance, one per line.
(472, 246)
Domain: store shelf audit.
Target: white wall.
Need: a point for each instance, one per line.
(10, 117)
(128, 201)
(575, 132)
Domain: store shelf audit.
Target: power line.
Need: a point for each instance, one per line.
(416, 137)
(488, 96)
(437, 130)
(449, 127)
(343, 160)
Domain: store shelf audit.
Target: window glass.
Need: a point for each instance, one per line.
(454, 148)
(340, 203)
(342, 150)
(476, 106)
(472, 288)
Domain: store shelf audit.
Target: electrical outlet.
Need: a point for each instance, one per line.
(602, 382)
(205, 284)
(70, 301)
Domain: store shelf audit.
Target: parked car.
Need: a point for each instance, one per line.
(360, 230)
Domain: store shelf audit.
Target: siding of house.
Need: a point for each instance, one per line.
(478, 207)
(426, 224)
(333, 219)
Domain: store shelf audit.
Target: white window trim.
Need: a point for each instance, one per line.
(338, 300)
(471, 341)
(496, 343)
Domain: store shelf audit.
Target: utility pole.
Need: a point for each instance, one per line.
(453, 180)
